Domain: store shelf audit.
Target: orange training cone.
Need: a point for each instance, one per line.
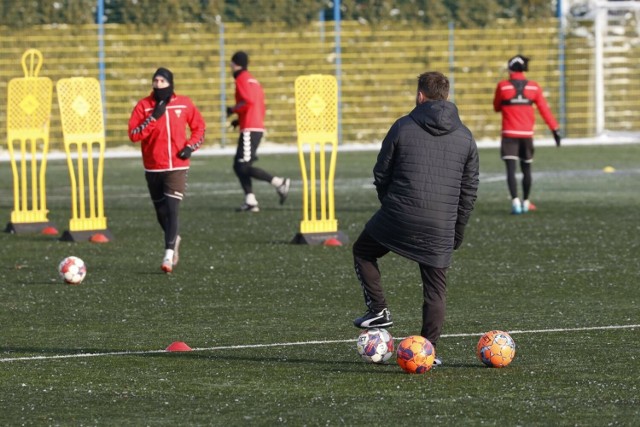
(50, 231)
(178, 346)
(332, 242)
(99, 238)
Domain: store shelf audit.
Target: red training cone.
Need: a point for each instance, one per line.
(50, 231)
(178, 346)
(332, 242)
(99, 238)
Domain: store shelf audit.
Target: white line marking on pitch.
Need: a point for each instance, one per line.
(290, 344)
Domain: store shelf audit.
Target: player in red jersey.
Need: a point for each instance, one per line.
(515, 98)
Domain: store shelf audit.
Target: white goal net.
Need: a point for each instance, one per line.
(613, 31)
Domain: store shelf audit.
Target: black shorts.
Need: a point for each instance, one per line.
(166, 184)
(248, 143)
(517, 149)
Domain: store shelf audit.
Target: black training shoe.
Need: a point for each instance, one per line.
(371, 319)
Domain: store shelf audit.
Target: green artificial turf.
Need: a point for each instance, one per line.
(270, 322)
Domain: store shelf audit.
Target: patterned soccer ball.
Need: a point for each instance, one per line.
(496, 349)
(72, 270)
(416, 354)
(375, 345)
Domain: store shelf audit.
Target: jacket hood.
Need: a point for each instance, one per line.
(437, 117)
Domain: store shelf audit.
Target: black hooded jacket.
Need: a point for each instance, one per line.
(427, 180)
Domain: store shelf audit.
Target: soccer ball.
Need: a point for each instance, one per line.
(496, 349)
(72, 270)
(416, 354)
(375, 345)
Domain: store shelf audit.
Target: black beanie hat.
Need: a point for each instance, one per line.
(241, 59)
(518, 63)
(163, 72)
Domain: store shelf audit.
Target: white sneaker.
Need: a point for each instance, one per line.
(516, 207)
(437, 362)
(527, 206)
(167, 265)
(248, 208)
(283, 190)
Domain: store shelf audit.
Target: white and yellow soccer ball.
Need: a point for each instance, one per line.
(72, 270)
(496, 349)
(375, 345)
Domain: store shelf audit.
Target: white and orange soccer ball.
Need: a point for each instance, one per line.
(72, 270)
(496, 349)
(375, 345)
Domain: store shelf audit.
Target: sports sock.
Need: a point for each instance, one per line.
(277, 181)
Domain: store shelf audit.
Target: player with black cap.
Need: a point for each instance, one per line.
(159, 123)
(250, 109)
(515, 98)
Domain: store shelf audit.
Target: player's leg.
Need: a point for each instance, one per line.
(526, 159)
(154, 184)
(281, 184)
(512, 185)
(242, 168)
(366, 252)
(527, 179)
(434, 288)
(509, 153)
(174, 188)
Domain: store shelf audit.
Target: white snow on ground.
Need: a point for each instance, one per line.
(266, 147)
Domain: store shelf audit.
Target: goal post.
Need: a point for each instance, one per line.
(614, 28)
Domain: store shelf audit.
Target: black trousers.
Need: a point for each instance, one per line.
(367, 251)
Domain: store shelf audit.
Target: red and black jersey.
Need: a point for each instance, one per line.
(515, 99)
(249, 103)
(162, 139)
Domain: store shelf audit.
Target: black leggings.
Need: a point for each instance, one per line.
(167, 214)
(511, 178)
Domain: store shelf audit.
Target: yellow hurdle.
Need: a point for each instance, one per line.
(317, 126)
(28, 119)
(82, 120)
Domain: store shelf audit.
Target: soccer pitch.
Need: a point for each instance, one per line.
(270, 322)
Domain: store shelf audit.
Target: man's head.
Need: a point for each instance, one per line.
(518, 63)
(162, 78)
(432, 86)
(162, 84)
(239, 61)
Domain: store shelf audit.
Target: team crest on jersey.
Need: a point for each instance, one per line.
(178, 112)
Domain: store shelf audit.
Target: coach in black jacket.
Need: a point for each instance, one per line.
(426, 177)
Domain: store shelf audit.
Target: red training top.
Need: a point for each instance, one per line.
(518, 119)
(162, 139)
(249, 103)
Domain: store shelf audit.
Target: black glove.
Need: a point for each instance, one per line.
(235, 123)
(229, 111)
(159, 109)
(557, 137)
(457, 240)
(185, 153)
